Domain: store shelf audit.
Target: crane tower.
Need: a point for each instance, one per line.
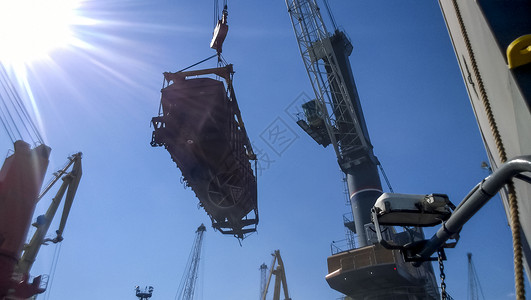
(187, 286)
(263, 270)
(335, 117)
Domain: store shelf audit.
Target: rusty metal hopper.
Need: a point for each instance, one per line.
(201, 128)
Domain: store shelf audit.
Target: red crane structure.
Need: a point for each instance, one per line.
(21, 178)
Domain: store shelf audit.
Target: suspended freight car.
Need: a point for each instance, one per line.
(201, 127)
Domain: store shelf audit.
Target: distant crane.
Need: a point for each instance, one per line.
(145, 294)
(280, 278)
(335, 117)
(187, 286)
(69, 186)
(263, 271)
(475, 292)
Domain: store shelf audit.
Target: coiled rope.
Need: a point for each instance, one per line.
(513, 204)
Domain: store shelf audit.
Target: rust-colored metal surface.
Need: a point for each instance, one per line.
(200, 128)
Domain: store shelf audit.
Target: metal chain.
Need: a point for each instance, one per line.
(442, 276)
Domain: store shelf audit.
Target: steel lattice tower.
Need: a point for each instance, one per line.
(187, 286)
(474, 288)
(263, 271)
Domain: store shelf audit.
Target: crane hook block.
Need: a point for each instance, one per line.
(220, 32)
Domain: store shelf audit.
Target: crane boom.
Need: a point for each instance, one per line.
(337, 106)
(263, 270)
(70, 184)
(319, 51)
(21, 179)
(187, 286)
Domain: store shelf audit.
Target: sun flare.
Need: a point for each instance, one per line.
(30, 29)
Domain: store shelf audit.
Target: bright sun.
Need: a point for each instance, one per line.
(30, 29)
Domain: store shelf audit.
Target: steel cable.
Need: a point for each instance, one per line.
(26, 118)
(15, 112)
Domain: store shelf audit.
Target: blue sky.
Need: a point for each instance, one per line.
(133, 222)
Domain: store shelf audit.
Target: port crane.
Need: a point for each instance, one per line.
(187, 287)
(475, 292)
(15, 276)
(69, 187)
(263, 270)
(335, 117)
(21, 178)
(280, 278)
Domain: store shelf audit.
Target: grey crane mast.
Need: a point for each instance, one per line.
(335, 117)
(145, 294)
(187, 286)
